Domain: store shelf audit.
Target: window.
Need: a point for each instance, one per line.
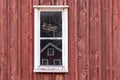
(50, 51)
(57, 62)
(50, 38)
(44, 61)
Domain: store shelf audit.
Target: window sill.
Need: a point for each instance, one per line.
(51, 69)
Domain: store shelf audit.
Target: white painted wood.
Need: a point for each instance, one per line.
(36, 39)
(49, 69)
(49, 38)
(51, 6)
(64, 38)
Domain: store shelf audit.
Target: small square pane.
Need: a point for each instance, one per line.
(51, 50)
(44, 62)
(57, 62)
(51, 24)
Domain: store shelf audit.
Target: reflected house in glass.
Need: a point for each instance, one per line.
(51, 39)
(51, 23)
(51, 55)
(51, 28)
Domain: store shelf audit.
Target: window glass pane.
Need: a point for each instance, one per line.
(57, 62)
(44, 62)
(51, 24)
(51, 50)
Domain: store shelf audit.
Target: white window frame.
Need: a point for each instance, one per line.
(45, 60)
(48, 52)
(40, 68)
(57, 60)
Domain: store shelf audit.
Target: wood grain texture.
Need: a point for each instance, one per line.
(106, 40)
(116, 39)
(14, 42)
(25, 42)
(72, 41)
(3, 40)
(83, 39)
(94, 41)
(9, 39)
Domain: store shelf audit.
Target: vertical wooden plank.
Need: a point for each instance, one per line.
(72, 40)
(83, 39)
(31, 39)
(75, 33)
(87, 38)
(95, 40)
(3, 40)
(9, 39)
(0, 39)
(14, 32)
(116, 40)
(25, 35)
(106, 40)
(19, 41)
(110, 32)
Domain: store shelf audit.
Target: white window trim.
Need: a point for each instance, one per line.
(48, 54)
(46, 60)
(37, 66)
(57, 60)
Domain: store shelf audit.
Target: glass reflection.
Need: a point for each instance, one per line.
(51, 24)
(51, 52)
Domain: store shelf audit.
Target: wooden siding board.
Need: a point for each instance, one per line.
(75, 40)
(31, 40)
(98, 43)
(116, 40)
(106, 40)
(9, 39)
(3, 35)
(25, 43)
(87, 39)
(72, 40)
(95, 39)
(14, 48)
(0, 39)
(82, 39)
(19, 40)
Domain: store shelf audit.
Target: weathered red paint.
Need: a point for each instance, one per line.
(94, 41)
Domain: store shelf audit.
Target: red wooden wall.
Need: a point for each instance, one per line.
(94, 41)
